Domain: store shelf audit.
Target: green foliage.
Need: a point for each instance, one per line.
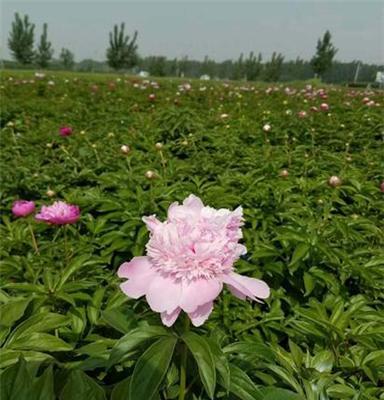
(66, 329)
(67, 58)
(44, 51)
(273, 68)
(21, 38)
(325, 51)
(122, 51)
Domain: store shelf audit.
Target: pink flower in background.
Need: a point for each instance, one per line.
(302, 114)
(324, 107)
(189, 258)
(59, 213)
(22, 208)
(65, 131)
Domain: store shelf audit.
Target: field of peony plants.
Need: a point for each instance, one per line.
(190, 240)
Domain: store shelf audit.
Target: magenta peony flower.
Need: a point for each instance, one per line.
(65, 131)
(59, 213)
(189, 257)
(22, 208)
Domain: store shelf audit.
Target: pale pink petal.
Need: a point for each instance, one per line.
(169, 319)
(237, 293)
(199, 292)
(152, 222)
(194, 202)
(163, 294)
(250, 287)
(135, 288)
(201, 314)
(135, 268)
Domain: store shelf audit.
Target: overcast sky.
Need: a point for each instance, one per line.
(219, 29)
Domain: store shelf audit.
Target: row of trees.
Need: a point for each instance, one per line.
(21, 43)
(122, 54)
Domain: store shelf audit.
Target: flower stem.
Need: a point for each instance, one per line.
(34, 242)
(183, 364)
(66, 245)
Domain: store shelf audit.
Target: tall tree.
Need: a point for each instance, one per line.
(273, 67)
(21, 38)
(67, 59)
(253, 66)
(325, 51)
(122, 51)
(44, 51)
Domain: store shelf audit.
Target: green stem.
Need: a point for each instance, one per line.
(183, 364)
(34, 242)
(66, 246)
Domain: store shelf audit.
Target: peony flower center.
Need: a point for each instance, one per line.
(190, 250)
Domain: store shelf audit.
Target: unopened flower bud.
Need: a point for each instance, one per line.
(125, 149)
(159, 146)
(150, 174)
(334, 181)
(267, 128)
(284, 173)
(50, 193)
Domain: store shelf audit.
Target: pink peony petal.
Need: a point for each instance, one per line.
(193, 202)
(237, 293)
(164, 294)
(169, 319)
(199, 292)
(250, 287)
(140, 276)
(152, 222)
(136, 267)
(201, 314)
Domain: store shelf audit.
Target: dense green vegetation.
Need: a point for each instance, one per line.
(68, 332)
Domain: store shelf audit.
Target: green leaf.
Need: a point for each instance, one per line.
(12, 311)
(150, 369)
(79, 386)
(203, 356)
(42, 322)
(242, 386)
(15, 382)
(119, 320)
(121, 390)
(279, 394)
(10, 357)
(300, 252)
(40, 342)
(133, 339)
(323, 361)
(339, 391)
(309, 283)
(43, 387)
(74, 266)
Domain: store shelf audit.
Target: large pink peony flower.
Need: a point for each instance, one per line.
(22, 208)
(59, 213)
(189, 257)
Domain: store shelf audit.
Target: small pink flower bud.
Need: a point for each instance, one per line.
(22, 208)
(284, 173)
